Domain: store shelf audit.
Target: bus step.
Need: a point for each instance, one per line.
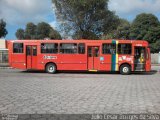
(92, 70)
(139, 69)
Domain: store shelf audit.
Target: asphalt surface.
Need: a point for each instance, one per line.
(23, 92)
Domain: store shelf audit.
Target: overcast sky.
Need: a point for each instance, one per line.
(19, 12)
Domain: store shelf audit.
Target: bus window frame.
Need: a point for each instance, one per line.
(68, 53)
(109, 53)
(30, 53)
(34, 51)
(22, 49)
(49, 43)
(147, 53)
(84, 49)
(125, 54)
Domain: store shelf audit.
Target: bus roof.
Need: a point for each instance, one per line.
(84, 40)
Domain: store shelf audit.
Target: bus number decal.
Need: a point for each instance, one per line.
(50, 57)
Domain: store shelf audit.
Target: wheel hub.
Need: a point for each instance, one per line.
(125, 69)
(51, 68)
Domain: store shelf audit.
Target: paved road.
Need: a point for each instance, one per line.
(37, 92)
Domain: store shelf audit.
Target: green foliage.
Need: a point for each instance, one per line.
(54, 35)
(146, 27)
(123, 30)
(20, 34)
(155, 47)
(3, 31)
(81, 18)
(41, 31)
(85, 35)
(153, 34)
(142, 24)
(30, 31)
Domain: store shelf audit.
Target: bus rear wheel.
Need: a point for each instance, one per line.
(51, 68)
(125, 69)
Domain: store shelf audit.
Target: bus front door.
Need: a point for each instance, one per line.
(139, 58)
(31, 57)
(93, 58)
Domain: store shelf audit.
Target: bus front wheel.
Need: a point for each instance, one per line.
(125, 69)
(51, 68)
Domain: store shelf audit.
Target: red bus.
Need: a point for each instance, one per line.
(83, 55)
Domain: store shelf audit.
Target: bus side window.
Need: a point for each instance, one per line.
(96, 50)
(17, 47)
(90, 52)
(49, 48)
(68, 48)
(81, 48)
(28, 51)
(109, 48)
(34, 51)
(124, 48)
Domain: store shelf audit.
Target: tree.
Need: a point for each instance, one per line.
(153, 34)
(54, 34)
(146, 27)
(85, 35)
(20, 34)
(155, 47)
(3, 31)
(41, 31)
(30, 31)
(123, 30)
(81, 18)
(142, 24)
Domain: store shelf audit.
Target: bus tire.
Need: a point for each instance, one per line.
(125, 69)
(51, 68)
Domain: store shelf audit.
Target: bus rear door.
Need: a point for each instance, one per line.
(31, 56)
(93, 58)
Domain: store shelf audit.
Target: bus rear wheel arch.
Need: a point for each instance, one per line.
(125, 69)
(51, 68)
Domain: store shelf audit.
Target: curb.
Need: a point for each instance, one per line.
(5, 67)
(155, 64)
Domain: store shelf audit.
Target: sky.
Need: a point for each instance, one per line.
(17, 13)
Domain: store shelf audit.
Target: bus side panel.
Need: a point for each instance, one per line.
(72, 62)
(40, 66)
(63, 61)
(18, 61)
(105, 65)
(148, 67)
(120, 59)
(126, 59)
